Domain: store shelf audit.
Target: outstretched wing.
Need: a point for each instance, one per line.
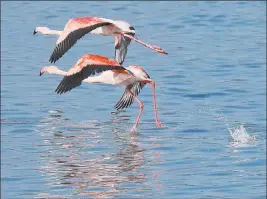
(127, 99)
(86, 66)
(73, 80)
(75, 29)
(121, 47)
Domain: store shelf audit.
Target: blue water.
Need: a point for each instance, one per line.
(71, 146)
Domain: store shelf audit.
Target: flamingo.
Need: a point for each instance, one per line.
(76, 28)
(133, 78)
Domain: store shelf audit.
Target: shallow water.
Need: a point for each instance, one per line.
(211, 85)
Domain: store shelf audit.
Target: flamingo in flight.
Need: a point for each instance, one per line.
(133, 78)
(76, 28)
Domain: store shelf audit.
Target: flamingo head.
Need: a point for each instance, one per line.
(48, 69)
(43, 30)
(125, 27)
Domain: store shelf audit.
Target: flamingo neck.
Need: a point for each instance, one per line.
(50, 32)
(153, 47)
(58, 72)
(138, 41)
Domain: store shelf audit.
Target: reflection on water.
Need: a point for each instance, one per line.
(84, 158)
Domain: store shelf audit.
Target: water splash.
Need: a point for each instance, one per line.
(239, 134)
(241, 138)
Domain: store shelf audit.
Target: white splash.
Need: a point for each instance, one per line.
(241, 137)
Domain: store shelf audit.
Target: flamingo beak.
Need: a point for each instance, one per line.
(34, 32)
(42, 72)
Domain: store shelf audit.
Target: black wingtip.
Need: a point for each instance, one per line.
(34, 32)
(51, 60)
(57, 90)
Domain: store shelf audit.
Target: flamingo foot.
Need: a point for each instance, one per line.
(133, 130)
(159, 124)
(159, 49)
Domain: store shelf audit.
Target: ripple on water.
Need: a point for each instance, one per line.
(194, 130)
(204, 96)
(14, 121)
(50, 17)
(175, 27)
(234, 90)
(119, 8)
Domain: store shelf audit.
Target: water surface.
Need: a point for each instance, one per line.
(71, 146)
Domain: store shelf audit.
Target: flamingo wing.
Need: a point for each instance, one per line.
(121, 47)
(127, 99)
(86, 66)
(75, 29)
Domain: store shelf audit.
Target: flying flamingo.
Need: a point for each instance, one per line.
(133, 78)
(76, 28)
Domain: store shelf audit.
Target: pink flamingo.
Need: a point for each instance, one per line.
(133, 78)
(76, 28)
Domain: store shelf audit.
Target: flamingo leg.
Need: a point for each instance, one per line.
(158, 123)
(153, 47)
(140, 112)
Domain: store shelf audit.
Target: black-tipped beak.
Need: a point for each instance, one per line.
(34, 32)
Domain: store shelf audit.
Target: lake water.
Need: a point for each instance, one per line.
(211, 95)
